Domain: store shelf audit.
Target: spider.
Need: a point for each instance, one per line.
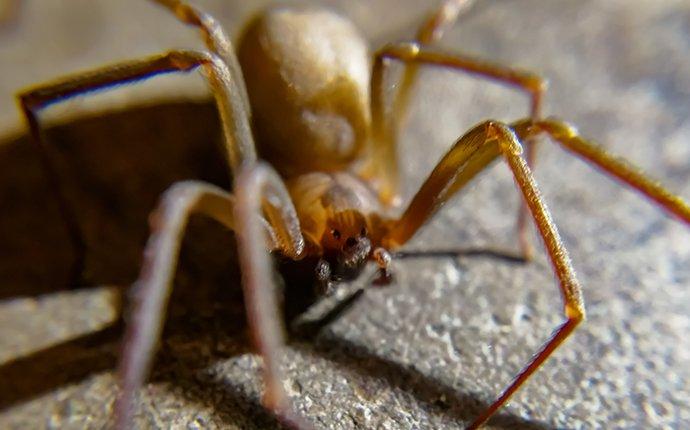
(301, 92)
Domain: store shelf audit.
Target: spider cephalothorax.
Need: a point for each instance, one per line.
(340, 219)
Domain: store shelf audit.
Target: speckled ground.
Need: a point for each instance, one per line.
(433, 348)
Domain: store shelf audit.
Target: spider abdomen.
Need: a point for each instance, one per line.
(307, 74)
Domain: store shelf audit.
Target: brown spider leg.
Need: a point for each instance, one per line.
(431, 30)
(384, 157)
(239, 144)
(257, 187)
(564, 134)
(150, 294)
(469, 156)
(215, 38)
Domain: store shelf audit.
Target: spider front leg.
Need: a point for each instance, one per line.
(150, 293)
(469, 156)
(259, 191)
(238, 141)
(215, 38)
(260, 187)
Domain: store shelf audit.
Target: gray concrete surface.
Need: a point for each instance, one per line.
(432, 349)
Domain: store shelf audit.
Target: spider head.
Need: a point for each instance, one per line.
(346, 243)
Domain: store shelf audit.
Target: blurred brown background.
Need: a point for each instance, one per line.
(434, 348)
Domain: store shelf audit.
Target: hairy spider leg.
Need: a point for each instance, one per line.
(384, 157)
(432, 30)
(470, 155)
(238, 140)
(150, 294)
(427, 202)
(565, 135)
(259, 192)
(260, 187)
(215, 39)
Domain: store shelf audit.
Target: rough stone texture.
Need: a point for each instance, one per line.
(431, 350)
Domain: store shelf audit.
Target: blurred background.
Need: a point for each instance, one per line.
(435, 347)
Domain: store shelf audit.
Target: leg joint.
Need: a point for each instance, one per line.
(507, 140)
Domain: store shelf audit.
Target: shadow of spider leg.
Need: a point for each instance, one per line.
(259, 191)
(470, 155)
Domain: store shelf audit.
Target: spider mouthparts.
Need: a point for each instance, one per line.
(355, 254)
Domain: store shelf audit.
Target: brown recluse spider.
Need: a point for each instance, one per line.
(303, 86)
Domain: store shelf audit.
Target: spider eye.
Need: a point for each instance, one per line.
(363, 232)
(336, 234)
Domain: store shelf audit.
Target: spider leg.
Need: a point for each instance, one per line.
(259, 187)
(565, 135)
(239, 144)
(215, 38)
(414, 54)
(441, 19)
(150, 293)
(431, 30)
(256, 234)
(469, 156)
